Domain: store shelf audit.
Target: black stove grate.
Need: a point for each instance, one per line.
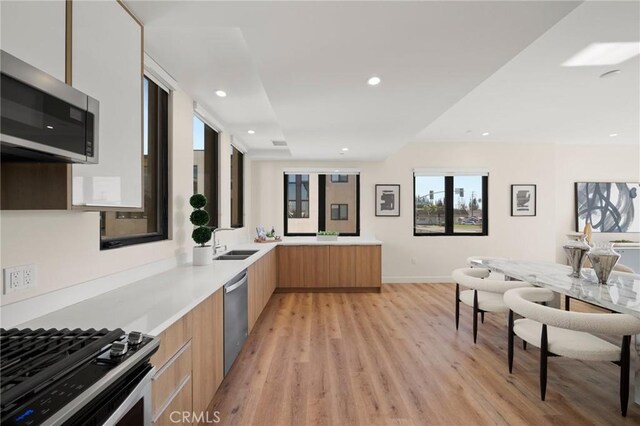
(32, 359)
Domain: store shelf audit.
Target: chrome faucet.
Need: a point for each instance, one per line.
(217, 246)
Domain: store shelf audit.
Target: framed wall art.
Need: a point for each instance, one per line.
(523, 200)
(608, 206)
(388, 200)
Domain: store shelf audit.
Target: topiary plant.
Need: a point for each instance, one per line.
(200, 218)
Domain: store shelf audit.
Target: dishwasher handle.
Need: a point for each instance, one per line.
(229, 288)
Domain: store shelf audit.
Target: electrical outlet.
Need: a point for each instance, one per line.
(17, 278)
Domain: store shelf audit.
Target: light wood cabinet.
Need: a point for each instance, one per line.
(181, 403)
(262, 283)
(342, 272)
(168, 380)
(171, 340)
(208, 349)
(334, 267)
(368, 266)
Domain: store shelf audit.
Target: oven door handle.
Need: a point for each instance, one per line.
(142, 390)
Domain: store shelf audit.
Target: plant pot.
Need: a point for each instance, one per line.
(327, 237)
(202, 255)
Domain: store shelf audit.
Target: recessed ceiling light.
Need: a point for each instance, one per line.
(610, 73)
(613, 135)
(221, 93)
(49, 127)
(374, 81)
(345, 149)
(485, 134)
(604, 54)
(251, 132)
(336, 171)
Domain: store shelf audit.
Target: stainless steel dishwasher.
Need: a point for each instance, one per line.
(236, 322)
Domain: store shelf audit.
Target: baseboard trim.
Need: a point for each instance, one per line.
(327, 290)
(25, 310)
(417, 279)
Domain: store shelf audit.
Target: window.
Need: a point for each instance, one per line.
(206, 167)
(321, 202)
(119, 229)
(339, 211)
(298, 196)
(237, 188)
(450, 205)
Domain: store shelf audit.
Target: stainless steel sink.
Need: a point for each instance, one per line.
(241, 252)
(236, 255)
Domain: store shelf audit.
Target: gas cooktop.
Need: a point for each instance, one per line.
(51, 376)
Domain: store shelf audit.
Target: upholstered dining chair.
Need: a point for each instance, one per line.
(563, 333)
(483, 294)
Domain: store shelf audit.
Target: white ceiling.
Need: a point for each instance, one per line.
(298, 70)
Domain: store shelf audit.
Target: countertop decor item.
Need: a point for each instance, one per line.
(388, 200)
(202, 254)
(603, 258)
(576, 249)
(523, 200)
(327, 236)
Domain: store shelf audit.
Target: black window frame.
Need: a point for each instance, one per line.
(322, 204)
(161, 102)
(340, 206)
(240, 182)
(449, 210)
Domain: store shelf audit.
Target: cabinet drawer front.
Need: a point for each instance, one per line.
(181, 403)
(167, 381)
(171, 340)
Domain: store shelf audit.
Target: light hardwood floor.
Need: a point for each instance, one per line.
(395, 358)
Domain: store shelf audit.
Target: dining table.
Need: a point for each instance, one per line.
(621, 293)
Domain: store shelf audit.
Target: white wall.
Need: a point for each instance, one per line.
(535, 238)
(65, 245)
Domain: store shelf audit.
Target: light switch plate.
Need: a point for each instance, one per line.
(17, 278)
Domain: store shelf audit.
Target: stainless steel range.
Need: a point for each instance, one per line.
(75, 377)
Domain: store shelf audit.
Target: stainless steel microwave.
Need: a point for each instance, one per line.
(44, 119)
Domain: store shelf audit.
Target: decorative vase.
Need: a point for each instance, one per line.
(587, 231)
(603, 258)
(202, 255)
(576, 249)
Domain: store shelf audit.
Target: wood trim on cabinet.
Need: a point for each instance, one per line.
(30, 186)
(68, 42)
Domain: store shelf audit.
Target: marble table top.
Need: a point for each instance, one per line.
(621, 294)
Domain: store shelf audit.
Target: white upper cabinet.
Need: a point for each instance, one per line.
(107, 65)
(34, 31)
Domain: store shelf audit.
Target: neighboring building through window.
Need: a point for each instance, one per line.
(118, 228)
(322, 202)
(339, 212)
(298, 196)
(450, 205)
(206, 167)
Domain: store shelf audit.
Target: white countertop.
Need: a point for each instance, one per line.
(342, 241)
(152, 304)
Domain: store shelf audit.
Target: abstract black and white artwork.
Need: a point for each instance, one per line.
(523, 200)
(608, 206)
(388, 200)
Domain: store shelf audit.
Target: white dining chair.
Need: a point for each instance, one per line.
(563, 333)
(483, 294)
